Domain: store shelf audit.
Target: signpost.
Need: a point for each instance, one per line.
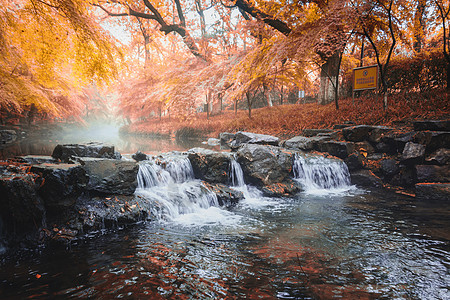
(365, 78)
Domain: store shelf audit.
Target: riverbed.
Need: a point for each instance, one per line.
(352, 244)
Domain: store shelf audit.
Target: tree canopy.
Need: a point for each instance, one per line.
(183, 54)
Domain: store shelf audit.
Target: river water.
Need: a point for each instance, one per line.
(333, 240)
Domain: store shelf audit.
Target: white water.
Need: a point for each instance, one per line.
(253, 198)
(176, 196)
(320, 175)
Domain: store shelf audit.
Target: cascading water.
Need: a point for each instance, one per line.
(236, 174)
(320, 173)
(175, 194)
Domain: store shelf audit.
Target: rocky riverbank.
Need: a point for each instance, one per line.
(88, 187)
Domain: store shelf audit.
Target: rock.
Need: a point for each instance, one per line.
(413, 152)
(61, 185)
(394, 142)
(338, 149)
(37, 159)
(365, 132)
(110, 176)
(432, 125)
(365, 178)
(364, 147)
(210, 166)
(226, 138)
(357, 133)
(300, 142)
(226, 196)
(433, 191)
(287, 188)
(432, 173)
(439, 157)
(354, 161)
(433, 140)
(98, 150)
(139, 156)
(314, 132)
(242, 138)
(389, 167)
(109, 211)
(341, 126)
(7, 136)
(22, 211)
(264, 165)
(213, 142)
(331, 135)
(377, 132)
(406, 176)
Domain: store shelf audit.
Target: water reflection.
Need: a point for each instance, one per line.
(360, 246)
(43, 143)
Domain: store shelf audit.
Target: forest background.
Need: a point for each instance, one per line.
(208, 66)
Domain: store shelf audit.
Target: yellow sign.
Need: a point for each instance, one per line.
(365, 78)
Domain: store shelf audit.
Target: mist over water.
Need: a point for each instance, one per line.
(42, 142)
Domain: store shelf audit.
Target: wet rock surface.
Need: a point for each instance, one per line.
(69, 152)
(209, 165)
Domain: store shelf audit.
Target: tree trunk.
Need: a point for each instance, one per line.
(328, 73)
(249, 104)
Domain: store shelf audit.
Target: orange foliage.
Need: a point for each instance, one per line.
(290, 120)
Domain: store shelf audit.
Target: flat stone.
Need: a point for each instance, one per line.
(314, 132)
(98, 150)
(432, 125)
(242, 138)
(433, 173)
(433, 192)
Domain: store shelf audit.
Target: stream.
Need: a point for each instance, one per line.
(333, 240)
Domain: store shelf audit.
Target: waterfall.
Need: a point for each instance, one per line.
(171, 188)
(236, 174)
(318, 172)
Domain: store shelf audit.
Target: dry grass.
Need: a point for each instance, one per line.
(290, 120)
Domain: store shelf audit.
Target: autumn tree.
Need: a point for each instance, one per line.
(443, 8)
(49, 50)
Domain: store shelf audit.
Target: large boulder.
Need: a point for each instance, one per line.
(241, 138)
(60, 184)
(265, 165)
(226, 138)
(433, 191)
(432, 125)
(361, 133)
(68, 152)
(21, 209)
(209, 165)
(365, 178)
(300, 143)
(110, 176)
